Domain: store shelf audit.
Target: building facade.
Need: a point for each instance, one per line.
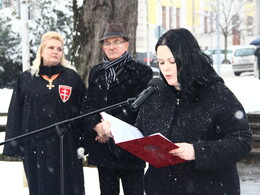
(201, 18)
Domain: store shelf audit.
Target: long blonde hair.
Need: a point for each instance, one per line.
(34, 69)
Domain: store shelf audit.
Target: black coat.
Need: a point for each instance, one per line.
(257, 54)
(217, 126)
(129, 83)
(34, 106)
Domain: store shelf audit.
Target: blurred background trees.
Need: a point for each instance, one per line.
(82, 23)
(10, 60)
(44, 15)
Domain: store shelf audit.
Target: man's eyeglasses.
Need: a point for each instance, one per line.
(114, 43)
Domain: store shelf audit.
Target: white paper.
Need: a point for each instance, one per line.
(121, 130)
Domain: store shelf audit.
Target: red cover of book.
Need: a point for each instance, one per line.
(153, 149)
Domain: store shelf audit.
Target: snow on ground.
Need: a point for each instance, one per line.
(13, 182)
(5, 97)
(246, 88)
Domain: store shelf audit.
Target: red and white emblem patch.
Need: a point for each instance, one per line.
(65, 92)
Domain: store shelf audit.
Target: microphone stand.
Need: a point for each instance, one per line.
(118, 105)
(61, 132)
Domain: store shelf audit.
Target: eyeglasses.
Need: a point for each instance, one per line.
(114, 43)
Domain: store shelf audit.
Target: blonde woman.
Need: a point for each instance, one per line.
(49, 92)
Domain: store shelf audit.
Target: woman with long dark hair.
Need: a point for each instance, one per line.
(201, 115)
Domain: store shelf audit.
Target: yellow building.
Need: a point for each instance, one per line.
(199, 16)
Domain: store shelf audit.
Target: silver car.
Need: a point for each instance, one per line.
(243, 59)
(213, 54)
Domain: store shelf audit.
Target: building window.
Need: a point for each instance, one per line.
(211, 22)
(5, 3)
(164, 15)
(206, 22)
(249, 25)
(178, 20)
(235, 31)
(171, 17)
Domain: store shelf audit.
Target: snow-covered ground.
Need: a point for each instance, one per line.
(13, 182)
(246, 88)
(249, 178)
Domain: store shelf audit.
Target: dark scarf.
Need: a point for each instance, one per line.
(50, 70)
(111, 67)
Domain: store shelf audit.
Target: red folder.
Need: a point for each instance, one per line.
(153, 149)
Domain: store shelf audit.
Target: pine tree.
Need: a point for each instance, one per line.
(10, 50)
(45, 15)
(52, 16)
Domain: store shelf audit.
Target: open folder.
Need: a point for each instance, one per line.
(153, 149)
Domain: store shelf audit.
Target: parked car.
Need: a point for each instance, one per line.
(213, 54)
(142, 57)
(156, 72)
(243, 59)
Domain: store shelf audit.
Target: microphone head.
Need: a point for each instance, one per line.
(157, 83)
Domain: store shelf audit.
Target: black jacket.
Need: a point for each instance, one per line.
(217, 126)
(257, 54)
(132, 79)
(34, 106)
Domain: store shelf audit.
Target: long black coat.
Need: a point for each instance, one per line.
(218, 128)
(34, 106)
(129, 83)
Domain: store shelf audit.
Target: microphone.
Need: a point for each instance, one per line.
(155, 84)
(80, 152)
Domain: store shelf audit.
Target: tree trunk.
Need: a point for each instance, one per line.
(90, 22)
(225, 61)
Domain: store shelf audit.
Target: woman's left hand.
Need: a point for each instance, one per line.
(185, 151)
(103, 131)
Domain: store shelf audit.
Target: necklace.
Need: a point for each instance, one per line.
(50, 80)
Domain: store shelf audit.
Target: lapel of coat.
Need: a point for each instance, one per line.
(124, 74)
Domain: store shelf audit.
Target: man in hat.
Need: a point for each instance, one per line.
(115, 80)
